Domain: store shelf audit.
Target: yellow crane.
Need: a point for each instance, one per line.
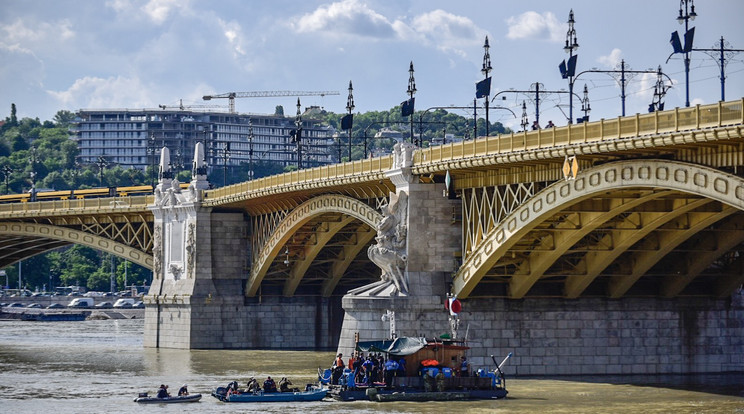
(264, 94)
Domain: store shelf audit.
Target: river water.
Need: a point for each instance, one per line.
(101, 366)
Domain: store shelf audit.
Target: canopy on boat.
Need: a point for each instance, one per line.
(398, 346)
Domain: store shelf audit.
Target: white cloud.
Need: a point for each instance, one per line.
(234, 35)
(445, 31)
(120, 6)
(158, 10)
(448, 31)
(111, 92)
(535, 26)
(611, 60)
(348, 17)
(20, 32)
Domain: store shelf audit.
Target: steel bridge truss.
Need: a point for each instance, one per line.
(646, 227)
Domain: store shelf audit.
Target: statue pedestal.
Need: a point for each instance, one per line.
(414, 316)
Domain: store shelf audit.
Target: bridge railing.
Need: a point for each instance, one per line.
(309, 175)
(50, 208)
(676, 120)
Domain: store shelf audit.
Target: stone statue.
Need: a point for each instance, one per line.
(389, 254)
(403, 155)
(157, 252)
(191, 250)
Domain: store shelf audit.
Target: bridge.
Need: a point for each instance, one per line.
(645, 210)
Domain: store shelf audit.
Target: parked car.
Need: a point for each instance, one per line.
(104, 305)
(124, 303)
(81, 303)
(55, 306)
(139, 305)
(34, 305)
(15, 305)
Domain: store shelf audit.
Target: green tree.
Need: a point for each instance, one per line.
(13, 116)
(64, 118)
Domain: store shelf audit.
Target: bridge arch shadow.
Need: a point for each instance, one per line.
(600, 234)
(24, 240)
(303, 236)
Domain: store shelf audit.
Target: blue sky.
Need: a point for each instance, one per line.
(73, 54)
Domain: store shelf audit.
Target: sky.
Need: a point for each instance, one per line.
(76, 54)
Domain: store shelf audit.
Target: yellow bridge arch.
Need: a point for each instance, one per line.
(347, 207)
(689, 189)
(40, 235)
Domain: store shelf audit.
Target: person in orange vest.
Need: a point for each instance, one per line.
(337, 369)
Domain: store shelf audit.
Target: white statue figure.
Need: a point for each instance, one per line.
(389, 254)
(403, 155)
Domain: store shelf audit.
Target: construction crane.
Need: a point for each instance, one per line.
(182, 107)
(264, 94)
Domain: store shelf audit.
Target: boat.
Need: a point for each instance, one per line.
(310, 394)
(145, 399)
(419, 361)
(53, 317)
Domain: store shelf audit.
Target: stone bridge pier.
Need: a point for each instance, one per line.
(419, 225)
(195, 300)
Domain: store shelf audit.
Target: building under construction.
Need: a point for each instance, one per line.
(132, 138)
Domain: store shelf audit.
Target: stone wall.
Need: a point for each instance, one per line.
(577, 337)
(602, 336)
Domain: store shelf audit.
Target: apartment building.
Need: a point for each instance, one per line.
(132, 138)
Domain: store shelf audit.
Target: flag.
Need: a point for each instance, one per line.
(571, 71)
(406, 107)
(562, 68)
(676, 44)
(688, 40)
(453, 305)
(483, 88)
(346, 121)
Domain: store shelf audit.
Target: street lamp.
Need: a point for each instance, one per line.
(6, 173)
(298, 134)
(568, 70)
(225, 157)
(152, 150)
(348, 121)
(659, 91)
(685, 17)
(101, 163)
(585, 107)
(250, 148)
(525, 120)
(33, 170)
(485, 90)
(407, 109)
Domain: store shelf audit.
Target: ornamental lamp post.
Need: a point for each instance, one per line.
(349, 117)
(568, 70)
(101, 163)
(298, 135)
(525, 120)
(225, 158)
(250, 148)
(411, 91)
(6, 173)
(685, 17)
(485, 90)
(585, 106)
